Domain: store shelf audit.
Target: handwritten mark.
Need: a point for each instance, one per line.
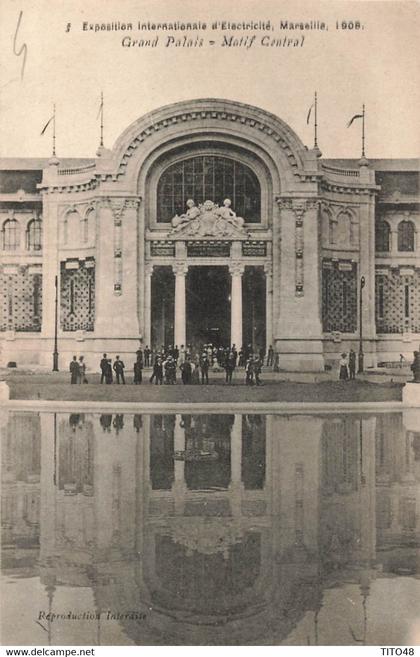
(40, 625)
(24, 48)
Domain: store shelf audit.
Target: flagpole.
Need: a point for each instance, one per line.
(102, 118)
(316, 121)
(53, 149)
(363, 131)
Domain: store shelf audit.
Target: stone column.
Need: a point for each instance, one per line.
(236, 270)
(180, 270)
(148, 272)
(268, 268)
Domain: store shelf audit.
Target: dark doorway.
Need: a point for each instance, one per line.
(208, 306)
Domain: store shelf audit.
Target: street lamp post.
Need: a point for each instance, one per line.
(361, 356)
(55, 352)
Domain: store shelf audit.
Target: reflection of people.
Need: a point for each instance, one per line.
(105, 422)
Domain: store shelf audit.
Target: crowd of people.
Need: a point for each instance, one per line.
(193, 365)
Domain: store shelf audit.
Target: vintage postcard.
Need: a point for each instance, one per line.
(210, 325)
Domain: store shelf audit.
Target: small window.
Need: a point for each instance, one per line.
(382, 236)
(34, 235)
(406, 236)
(10, 235)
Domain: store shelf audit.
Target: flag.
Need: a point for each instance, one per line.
(353, 118)
(309, 113)
(100, 108)
(46, 125)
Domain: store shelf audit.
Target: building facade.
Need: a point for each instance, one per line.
(209, 221)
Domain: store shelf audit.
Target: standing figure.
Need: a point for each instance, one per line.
(229, 367)
(352, 364)
(82, 370)
(344, 372)
(74, 370)
(270, 356)
(249, 372)
(204, 368)
(119, 369)
(257, 366)
(108, 375)
(147, 353)
(157, 371)
(138, 371)
(195, 376)
(170, 371)
(103, 366)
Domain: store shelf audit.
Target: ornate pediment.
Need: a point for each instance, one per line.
(209, 220)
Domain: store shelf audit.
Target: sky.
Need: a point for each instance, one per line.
(376, 65)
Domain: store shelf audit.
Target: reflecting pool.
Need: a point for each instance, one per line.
(129, 529)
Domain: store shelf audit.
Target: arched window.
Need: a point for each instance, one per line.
(406, 236)
(34, 235)
(209, 177)
(382, 236)
(71, 229)
(343, 236)
(333, 230)
(10, 235)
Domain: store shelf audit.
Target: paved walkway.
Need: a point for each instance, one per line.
(295, 388)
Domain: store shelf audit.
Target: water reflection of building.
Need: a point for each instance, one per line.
(20, 500)
(244, 533)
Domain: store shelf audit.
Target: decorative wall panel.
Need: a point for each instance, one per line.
(339, 296)
(77, 295)
(20, 298)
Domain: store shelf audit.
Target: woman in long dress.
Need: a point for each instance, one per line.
(344, 367)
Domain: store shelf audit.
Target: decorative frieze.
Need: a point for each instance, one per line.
(208, 248)
(254, 248)
(162, 248)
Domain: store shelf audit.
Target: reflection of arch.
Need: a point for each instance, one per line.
(406, 235)
(34, 235)
(10, 235)
(214, 177)
(382, 236)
